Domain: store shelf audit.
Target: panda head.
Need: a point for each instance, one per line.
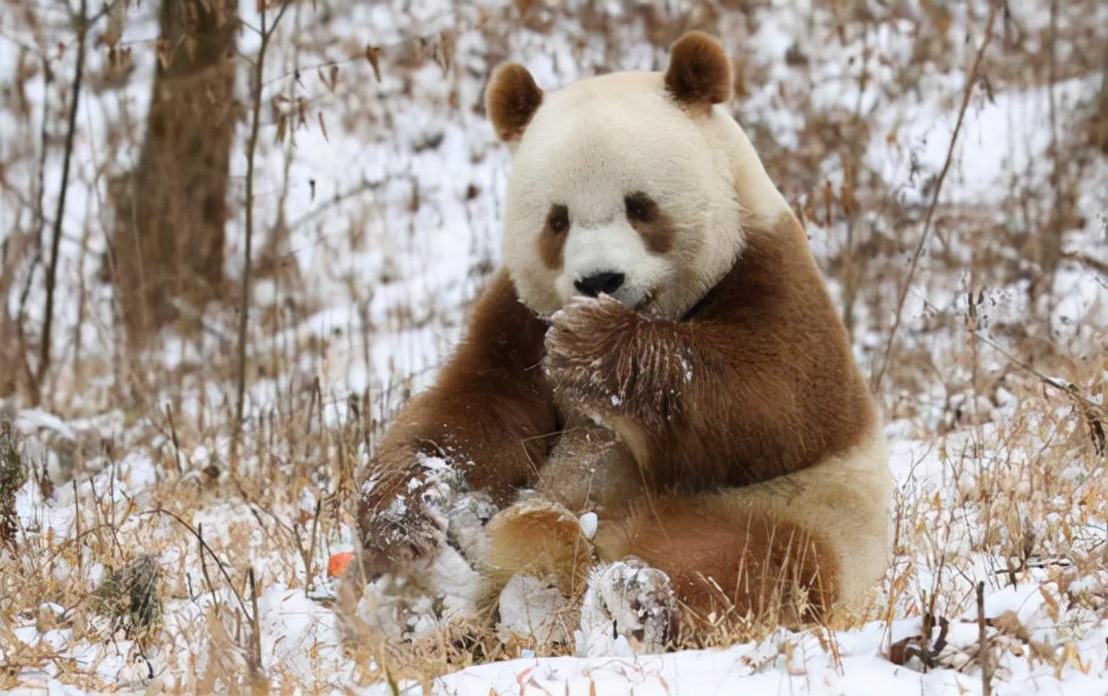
(624, 184)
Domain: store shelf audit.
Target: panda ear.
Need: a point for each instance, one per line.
(699, 72)
(511, 99)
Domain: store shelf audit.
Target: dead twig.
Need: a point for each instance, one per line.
(197, 532)
(967, 92)
(251, 149)
(257, 674)
(55, 241)
(983, 644)
(1095, 415)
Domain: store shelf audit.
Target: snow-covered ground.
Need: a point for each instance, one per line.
(390, 195)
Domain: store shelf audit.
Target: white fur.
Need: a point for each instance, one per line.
(612, 247)
(593, 143)
(757, 194)
(846, 499)
(530, 607)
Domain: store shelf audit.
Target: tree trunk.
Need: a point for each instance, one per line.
(15, 252)
(167, 246)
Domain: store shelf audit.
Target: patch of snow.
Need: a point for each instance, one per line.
(532, 608)
(588, 523)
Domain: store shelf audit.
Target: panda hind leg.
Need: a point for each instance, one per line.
(540, 538)
(728, 559)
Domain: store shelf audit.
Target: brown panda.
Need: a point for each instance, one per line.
(658, 349)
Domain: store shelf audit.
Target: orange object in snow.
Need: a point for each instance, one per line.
(337, 565)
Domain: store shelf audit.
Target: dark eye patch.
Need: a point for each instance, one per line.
(558, 219)
(650, 221)
(640, 207)
(553, 236)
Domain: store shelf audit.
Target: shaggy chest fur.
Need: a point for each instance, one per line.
(795, 397)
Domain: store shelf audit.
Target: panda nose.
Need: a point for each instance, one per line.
(593, 285)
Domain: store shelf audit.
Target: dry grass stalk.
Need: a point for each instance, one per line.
(906, 282)
(257, 84)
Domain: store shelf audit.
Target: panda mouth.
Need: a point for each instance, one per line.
(608, 283)
(645, 303)
(631, 298)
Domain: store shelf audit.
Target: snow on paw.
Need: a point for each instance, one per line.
(409, 607)
(628, 607)
(431, 592)
(587, 341)
(404, 522)
(466, 520)
(533, 611)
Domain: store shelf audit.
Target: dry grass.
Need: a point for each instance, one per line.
(1002, 399)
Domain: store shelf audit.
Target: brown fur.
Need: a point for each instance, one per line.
(721, 556)
(755, 382)
(486, 415)
(552, 239)
(651, 222)
(590, 470)
(699, 72)
(721, 559)
(511, 100)
(771, 388)
(540, 539)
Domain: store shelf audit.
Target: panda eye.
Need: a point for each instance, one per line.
(558, 219)
(640, 207)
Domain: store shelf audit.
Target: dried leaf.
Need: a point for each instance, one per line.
(1072, 657)
(1042, 651)
(373, 55)
(899, 653)
(939, 15)
(1052, 608)
(1009, 623)
(114, 31)
(444, 50)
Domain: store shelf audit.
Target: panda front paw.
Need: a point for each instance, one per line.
(603, 358)
(627, 601)
(589, 357)
(402, 519)
(396, 533)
